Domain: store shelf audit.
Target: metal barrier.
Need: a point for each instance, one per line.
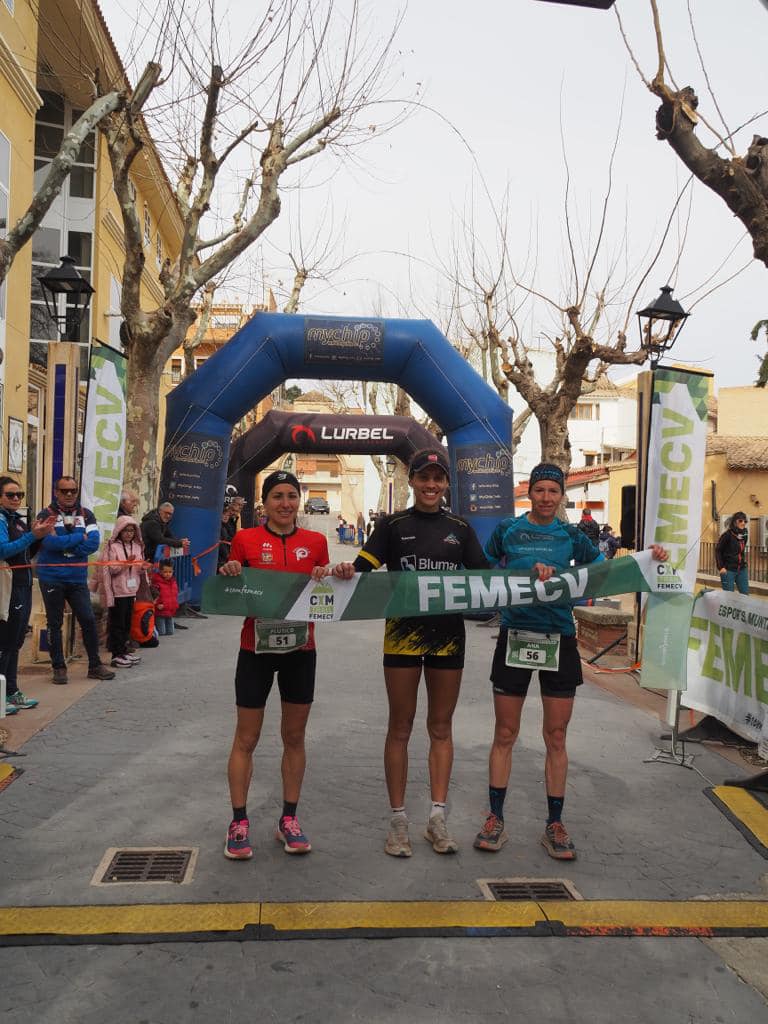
(182, 568)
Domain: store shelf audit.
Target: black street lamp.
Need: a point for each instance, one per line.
(660, 324)
(66, 280)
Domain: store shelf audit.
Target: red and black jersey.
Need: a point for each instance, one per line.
(262, 548)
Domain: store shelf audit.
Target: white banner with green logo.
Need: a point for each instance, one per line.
(728, 661)
(378, 595)
(674, 493)
(101, 477)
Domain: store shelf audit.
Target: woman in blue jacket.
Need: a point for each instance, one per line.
(16, 538)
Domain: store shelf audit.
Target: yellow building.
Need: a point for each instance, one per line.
(49, 53)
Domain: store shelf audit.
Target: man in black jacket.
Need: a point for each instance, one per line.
(731, 555)
(156, 530)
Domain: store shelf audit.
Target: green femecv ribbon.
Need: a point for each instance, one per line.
(377, 595)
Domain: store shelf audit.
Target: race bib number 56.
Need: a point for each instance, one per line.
(533, 650)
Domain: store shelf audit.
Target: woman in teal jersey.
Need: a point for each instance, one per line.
(539, 637)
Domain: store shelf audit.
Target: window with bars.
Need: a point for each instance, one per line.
(147, 226)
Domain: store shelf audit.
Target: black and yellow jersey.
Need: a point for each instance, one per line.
(414, 541)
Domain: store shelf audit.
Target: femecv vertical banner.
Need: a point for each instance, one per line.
(674, 492)
(104, 436)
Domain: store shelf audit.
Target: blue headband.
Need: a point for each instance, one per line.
(547, 471)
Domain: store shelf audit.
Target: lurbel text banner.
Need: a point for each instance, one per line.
(379, 595)
(728, 661)
(104, 436)
(675, 488)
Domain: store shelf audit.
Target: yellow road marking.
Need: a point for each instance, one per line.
(173, 918)
(743, 806)
(414, 915)
(593, 916)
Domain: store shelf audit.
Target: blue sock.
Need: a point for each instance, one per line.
(496, 797)
(555, 804)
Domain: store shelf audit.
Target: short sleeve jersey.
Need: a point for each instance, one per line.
(521, 544)
(413, 541)
(261, 548)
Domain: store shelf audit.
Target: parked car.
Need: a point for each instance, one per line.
(319, 505)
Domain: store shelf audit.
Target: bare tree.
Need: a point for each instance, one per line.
(741, 181)
(115, 101)
(299, 86)
(194, 340)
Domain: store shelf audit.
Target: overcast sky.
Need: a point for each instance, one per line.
(500, 77)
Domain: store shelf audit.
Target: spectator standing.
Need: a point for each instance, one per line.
(608, 543)
(731, 555)
(167, 603)
(129, 503)
(118, 581)
(156, 530)
(16, 541)
(62, 572)
(588, 526)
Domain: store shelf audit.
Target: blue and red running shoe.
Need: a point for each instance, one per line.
(238, 845)
(290, 835)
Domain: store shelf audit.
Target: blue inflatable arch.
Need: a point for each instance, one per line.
(273, 347)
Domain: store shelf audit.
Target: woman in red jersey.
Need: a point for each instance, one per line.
(274, 647)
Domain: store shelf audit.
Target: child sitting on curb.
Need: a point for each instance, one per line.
(167, 603)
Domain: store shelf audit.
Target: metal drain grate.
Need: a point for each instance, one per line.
(527, 889)
(129, 866)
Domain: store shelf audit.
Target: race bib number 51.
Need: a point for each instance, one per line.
(533, 650)
(280, 637)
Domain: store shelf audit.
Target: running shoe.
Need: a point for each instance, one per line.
(436, 833)
(20, 701)
(238, 845)
(398, 844)
(557, 842)
(122, 661)
(290, 835)
(10, 709)
(133, 658)
(492, 835)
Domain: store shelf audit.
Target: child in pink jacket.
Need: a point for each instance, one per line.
(118, 585)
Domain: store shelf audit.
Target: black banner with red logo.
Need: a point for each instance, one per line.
(316, 433)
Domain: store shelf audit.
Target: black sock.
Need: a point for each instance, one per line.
(496, 797)
(289, 809)
(239, 813)
(555, 804)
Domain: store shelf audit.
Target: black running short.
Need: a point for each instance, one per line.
(514, 681)
(427, 660)
(255, 675)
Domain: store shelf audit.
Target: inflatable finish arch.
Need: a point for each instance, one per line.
(310, 433)
(273, 347)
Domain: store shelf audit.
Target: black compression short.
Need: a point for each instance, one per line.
(451, 661)
(255, 675)
(514, 682)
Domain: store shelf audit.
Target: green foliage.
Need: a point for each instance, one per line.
(293, 392)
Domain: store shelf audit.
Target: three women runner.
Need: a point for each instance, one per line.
(423, 537)
(284, 648)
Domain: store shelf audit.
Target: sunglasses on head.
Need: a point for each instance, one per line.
(67, 490)
(14, 494)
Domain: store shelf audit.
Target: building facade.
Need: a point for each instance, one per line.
(49, 53)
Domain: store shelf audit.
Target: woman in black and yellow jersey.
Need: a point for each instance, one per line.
(423, 537)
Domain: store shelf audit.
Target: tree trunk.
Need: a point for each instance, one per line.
(146, 358)
(143, 417)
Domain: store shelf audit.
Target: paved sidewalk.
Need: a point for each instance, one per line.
(141, 761)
